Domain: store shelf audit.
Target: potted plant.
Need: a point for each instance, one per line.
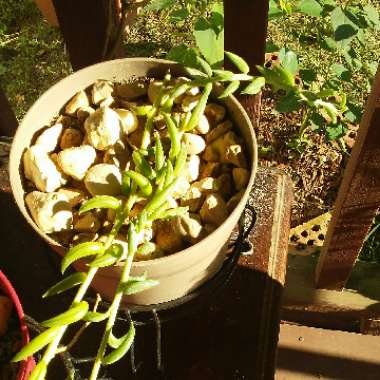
(157, 172)
(9, 300)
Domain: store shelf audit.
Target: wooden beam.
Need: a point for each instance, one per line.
(343, 310)
(357, 203)
(8, 121)
(87, 27)
(246, 23)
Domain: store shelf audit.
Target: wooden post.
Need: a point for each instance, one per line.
(357, 203)
(88, 29)
(246, 24)
(8, 121)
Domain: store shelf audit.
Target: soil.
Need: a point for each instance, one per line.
(316, 171)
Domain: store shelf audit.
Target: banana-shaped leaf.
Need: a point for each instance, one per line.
(194, 73)
(66, 284)
(74, 314)
(94, 316)
(115, 342)
(159, 154)
(180, 162)
(81, 251)
(143, 165)
(141, 181)
(144, 249)
(223, 75)
(125, 185)
(110, 257)
(133, 287)
(175, 137)
(254, 87)
(168, 214)
(169, 174)
(124, 345)
(100, 201)
(242, 77)
(230, 89)
(142, 110)
(199, 108)
(36, 344)
(206, 68)
(39, 372)
(160, 180)
(239, 62)
(161, 197)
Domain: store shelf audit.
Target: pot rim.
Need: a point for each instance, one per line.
(15, 172)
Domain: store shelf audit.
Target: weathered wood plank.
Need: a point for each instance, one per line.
(357, 202)
(87, 27)
(308, 353)
(246, 24)
(343, 310)
(8, 121)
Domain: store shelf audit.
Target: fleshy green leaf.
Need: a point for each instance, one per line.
(144, 250)
(36, 344)
(206, 68)
(100, 201)
(223, 75)
(161, 196)
(180, 161)
(133, 287)
(122, 349)
(159, 154)
(81, 251)
(184, 55)
(239, 62)
(143, 165)
(94, 316)
(199, 108)
(175, 137)
(110, 257)
(230, 89)
(66, 284)
(39, 372)
(74, 314)
(255, 86)
(141, 181)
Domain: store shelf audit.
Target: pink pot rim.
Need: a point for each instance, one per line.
(28, 364)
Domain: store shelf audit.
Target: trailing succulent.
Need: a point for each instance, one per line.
(154, 179)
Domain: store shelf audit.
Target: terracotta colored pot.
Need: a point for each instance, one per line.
(178, 273)
(6, 288)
